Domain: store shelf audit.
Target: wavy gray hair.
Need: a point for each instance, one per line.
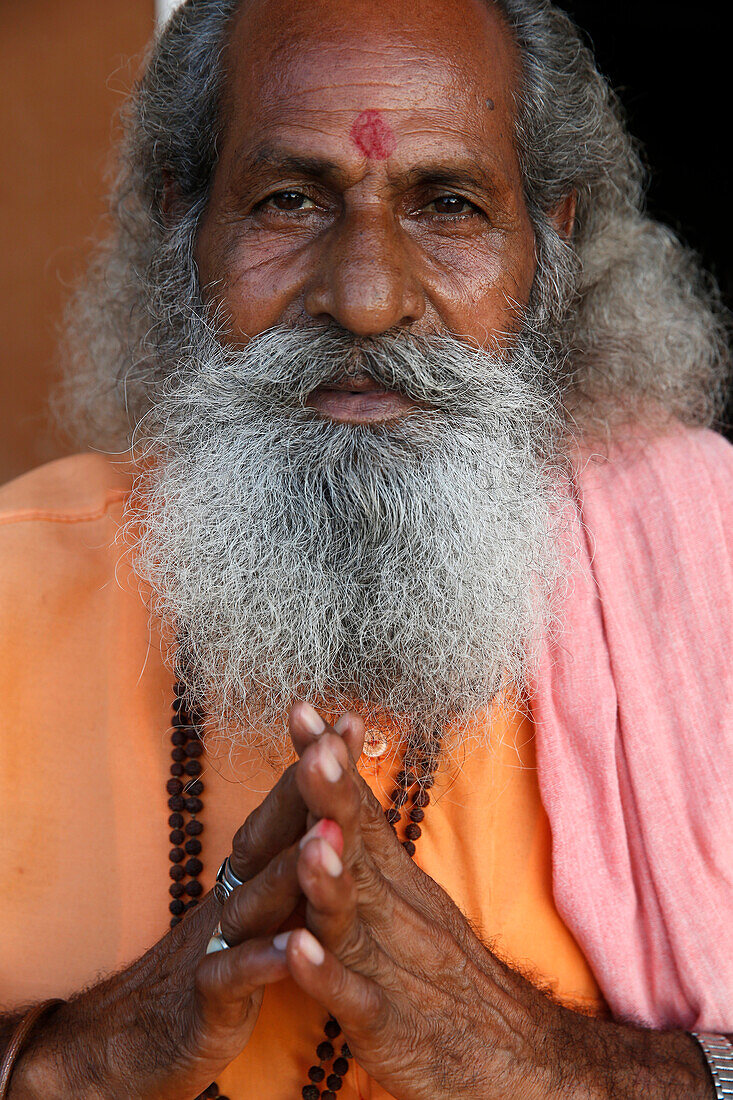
(639, 322)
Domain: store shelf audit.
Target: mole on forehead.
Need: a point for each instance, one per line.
(372, 136)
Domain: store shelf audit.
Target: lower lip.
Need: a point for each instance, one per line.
(359, 408)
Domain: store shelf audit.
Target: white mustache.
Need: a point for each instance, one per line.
(283, 366)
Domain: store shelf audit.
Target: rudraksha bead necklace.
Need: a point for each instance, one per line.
(185, 787)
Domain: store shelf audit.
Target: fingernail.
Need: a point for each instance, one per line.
(342, 723)
(312, 833)
(329, 765)
(280, 942)
(311, 948)
(330, 862)
(312, 720)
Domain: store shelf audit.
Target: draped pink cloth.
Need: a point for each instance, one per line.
(634, 719)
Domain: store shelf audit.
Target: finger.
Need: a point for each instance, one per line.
(274, 825)
(332, 907)
(350, 728)
(358, 1003)
(227, 979)
(327, 783)
(365, 929)
(306, 725)
(264, 902)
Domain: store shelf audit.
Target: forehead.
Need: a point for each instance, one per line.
(441, 72)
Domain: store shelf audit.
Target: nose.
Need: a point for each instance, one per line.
(364, 281)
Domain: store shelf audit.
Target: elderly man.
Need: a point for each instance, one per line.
(417, 514)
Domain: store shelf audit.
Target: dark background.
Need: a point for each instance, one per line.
(671, 65)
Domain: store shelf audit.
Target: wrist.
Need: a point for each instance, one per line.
(624, 1061)
(58, 1061)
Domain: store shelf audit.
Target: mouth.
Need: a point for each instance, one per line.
(359, 400)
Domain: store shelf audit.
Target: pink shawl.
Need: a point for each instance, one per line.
(634, 719)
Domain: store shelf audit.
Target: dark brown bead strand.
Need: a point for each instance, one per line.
(185, 788)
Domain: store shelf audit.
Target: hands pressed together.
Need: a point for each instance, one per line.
(428, 1011)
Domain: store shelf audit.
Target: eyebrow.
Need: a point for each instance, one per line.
(469, 172)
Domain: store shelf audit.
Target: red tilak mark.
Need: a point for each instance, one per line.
(372, 136)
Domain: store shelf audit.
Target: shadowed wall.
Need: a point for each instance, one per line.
(63, 69)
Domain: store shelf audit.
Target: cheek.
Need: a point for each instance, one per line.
(259, 283)
(480, 291)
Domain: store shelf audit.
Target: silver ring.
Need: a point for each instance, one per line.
(226, 882)
(217, 941)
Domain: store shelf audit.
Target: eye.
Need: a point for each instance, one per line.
(288, 201)
(451, 204)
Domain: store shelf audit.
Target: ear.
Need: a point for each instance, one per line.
(562, 216)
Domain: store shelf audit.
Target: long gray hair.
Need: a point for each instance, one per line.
(639, 321)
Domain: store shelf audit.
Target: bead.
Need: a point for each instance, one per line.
(416, 814)
(409, 847)
(340, 1066)
(428, 782)
(194, 748)
(192, 767)
(178, 737)
(316, 1074)
(179, 755)
(176, 821)
(194, 805)
(175, 889)
(177, 836)
(174, 786)
(194, 828)
(328, 1095)
(324, 1051)
(334, 1082)
(176, 872)
(176, 907)
(332, 1028)
(195, 788)
(176, 769)
(193, 888)
(405, 778)
(345, 1051)
(176, 855)
(176, 802)
(174, 921)
(422, 798)
(212, 1090)
(398, 797)
(393, 815)
(192, 903)
(191, 847)
(310, 1092)
(413, 832)
(193, 866)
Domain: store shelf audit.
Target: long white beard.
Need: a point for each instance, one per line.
(404, 569)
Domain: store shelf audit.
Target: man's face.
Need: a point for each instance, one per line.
(368, 177)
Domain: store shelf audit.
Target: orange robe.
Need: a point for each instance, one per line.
(84, 757)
